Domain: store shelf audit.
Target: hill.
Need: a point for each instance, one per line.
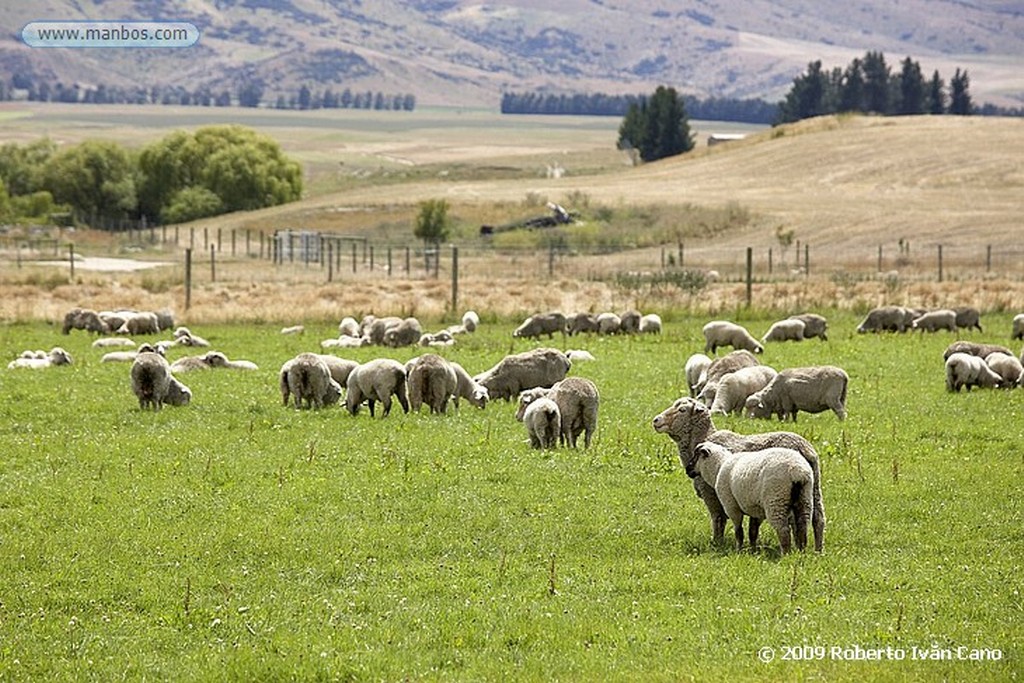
(459, 52)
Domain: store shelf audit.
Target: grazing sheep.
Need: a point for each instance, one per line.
(735, 387)
(629, 322)
(575, 355)
(771, 484)
(1017, 330)
(468, 388)
(650, 324)
(581, 322)
(974, 349)
(696, 367)
(513, 374)
(115, 319)
(106, 342)
(56, 356)
(140, 323)
(543, 423)
(964, 370)
(688, 422)
(537, 325)
(151, 380)
(724, 333)
(933, 321)
(345, 342)
(707, 384)
(164, 319)
(887, 319)
(405, 333)
(340, 368)
(968, 317)
(348, 327)
(789, 329)
(294, 329)
(608, 323)
(814, 325)
(432, 380)
(812, 389)
(578, 401)
(84, 319)
(377, 380)
(470, 321)
(308, 378)
(1007, 367)
(177, 393)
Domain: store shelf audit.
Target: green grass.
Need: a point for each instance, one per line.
(237, 539)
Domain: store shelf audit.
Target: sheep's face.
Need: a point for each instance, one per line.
(59, 356)
(702, 450)
(480, 397)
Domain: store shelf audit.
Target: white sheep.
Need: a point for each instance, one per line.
(145, 322)
(814, 325)
(85, 319)
(933, 321)
(294, 329)
(811, 389)
(468, 388)
(575, 355)
(405, 333)
(308, 379)
(720, 367)
(629, 322)
(769, 484)
(377, 380)
(540, 324)
(790, 329)
(650, 324)
(348, 327)
(608, 323)
(340, 368)
(151, 380)
(735, 387)
(543, 423)
(1007, 367)
(696, 366)
(56, 356)
(1017, 329)
(107, 342)
(540, 367)
(965, 370)
(177, 393)
(431, 380)
(724, 333)
(578, 401)
(184, 336)
(345, 342)
(470, 321)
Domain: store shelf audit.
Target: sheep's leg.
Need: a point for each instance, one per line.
(387, 405)
(801, 531)
(738, 528)
(782, 529)
(372, 405)
(752, 533)
(716, 512)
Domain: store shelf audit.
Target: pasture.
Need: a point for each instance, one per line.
(238, 539)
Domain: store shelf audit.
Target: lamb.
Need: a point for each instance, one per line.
(405, 333)
(688, 422)
(468, 388)
(577, 400)
(933, 321)
(608, 323)
(56, 356)
(731, 362)
(377, 380)
(84, 319)
(968, 317)
(629, 322)
(106, 342)
(581, 322)
(650, 324)
(974, 349)
(696, 366)
(432, 380)
(814, 325)
(735, 387)
(812, 389)
(348, 327)
(1017, 330)
(964, 370)
(724, 333)
(535, 368)
(140, 323)
(789, 329)
(887, 319)
(308, 379)
(1009, 368)
(537, 325)
(151, 380)
(770, 484)
(543, 423)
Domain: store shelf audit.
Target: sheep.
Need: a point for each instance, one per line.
(629, 322)
(811, 389)
(770, 484)
(468, 388)
(177, 393)
(210, 359)
(650, 324)
(56, 356)
(968, 317)
(376, 328)
(933, 321)
(608, 323)
(377, 380)
(974, 349)
(581, 322)
(1017, 329)
(115, 319)
(348, 327)
(724, 333)
(106, 342)
(345, 342)
(707, 384)
(543, 423)
(688, 422)
(965, 370)
(887, 319)
(696, 366)
(130, 356)
(405, 333)
(437, 339)
(151, 380)
(814, 325)
(184, 336)
(84, 319)
(308, 378)
(140, 323)
(789, 329)
(735, 387)
(578, 401)
(470, 321)
(432, 380)
(575, 355)
(535, 368)
(537, 325)
(164, 319)
(1009, 368)
(340, 368)
(294, 329)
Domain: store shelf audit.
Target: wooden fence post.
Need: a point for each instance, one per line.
(355, 248)
(407, 261)
(71, 260)
(330, 261)
(988, 258)
(769, 260)
(188, 278)
(455, 278)
(750, 275)
(940, 263)
(879, 258)
(389, 261)
(807, 259)
(213, 264)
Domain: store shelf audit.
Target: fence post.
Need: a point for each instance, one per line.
(988, 258)
(71, 260)
(355, 247)
(330, 261)
(407, 261)
(798, 253)
(232, 242)
(663, 258)
(389, 261)
(188, 278)
(680, 254)
(551, 260)
(192, 238)
(371, 258)
(455, 279)
(769, 260)
(879, 258)
(175, 235)
(807, 259)
(940, 263)
(213, 264)
(206, 237)
(750, 275)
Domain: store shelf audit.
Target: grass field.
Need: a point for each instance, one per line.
(235, 539)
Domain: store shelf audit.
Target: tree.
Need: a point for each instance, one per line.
(876, 83)
(657, 126)
(959, 97)
(807, 96)
(936, 94)
(432, 225)
(97, 178)
(250, 94)
(912, 89)
(851, 95)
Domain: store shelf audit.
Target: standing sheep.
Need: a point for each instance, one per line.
(577, 400)
(933, 321)
(968, 317)
(581, 322)
(789, 329)
(348, 327)
(735, 387)
(535, 368)
(405, 333)
(724, 333)
(151, 380)
(84, 319)
(719, 368)
(887, 319)
(964, 370)
(629, 322)
(543, 423)
(432, 380)
(974, 349)
(468, 388)
(377, 380)
(140, 323)
(811, 389)
(1017, 328)
(770, 484)
(537, 325)
(308, 379)
(688, 422)
(650, 324)
(340, 368)
(814, 325)
(608, 323)
(696, 366)
(1007, 367)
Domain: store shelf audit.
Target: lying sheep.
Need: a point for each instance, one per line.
(376, 328)
(470, 321)
(437, 339)
(151, 380)
(1009, 368)
(84, 319)
(696, 367)
(543, 423)
(581, 322)
(294, 329)
(724, 333)
(405, 333)
(789, 329)
(578, 402)
(540, 324)
(308, 379)
(650, 324)
(377, 380)
(887, 319)
(345, 342)
(575, 355)
(974, 349)
(468, 388)
(735, 387)
(731, 362)
(771, 484)
(629, 322)
(933, 321)
(184, 336)
(431, 380)
(608, 323)
(190, 363)
(513, 374)
(688, 422)
(812, 389)
(1017, 329)
(967, 318)
(216, 359)
(107, 342)
(348, 327)
(56, 356)
(964, 370)
(814, 325)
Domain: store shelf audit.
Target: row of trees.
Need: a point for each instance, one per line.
(181, 177)
(656, 127)
(868, 85)
(600, 104)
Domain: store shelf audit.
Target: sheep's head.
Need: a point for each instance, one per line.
(525, 399)
(701, 450)
(687, 422)
(59, 356)
(216, 359)
(755, 407)
(480, 396)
